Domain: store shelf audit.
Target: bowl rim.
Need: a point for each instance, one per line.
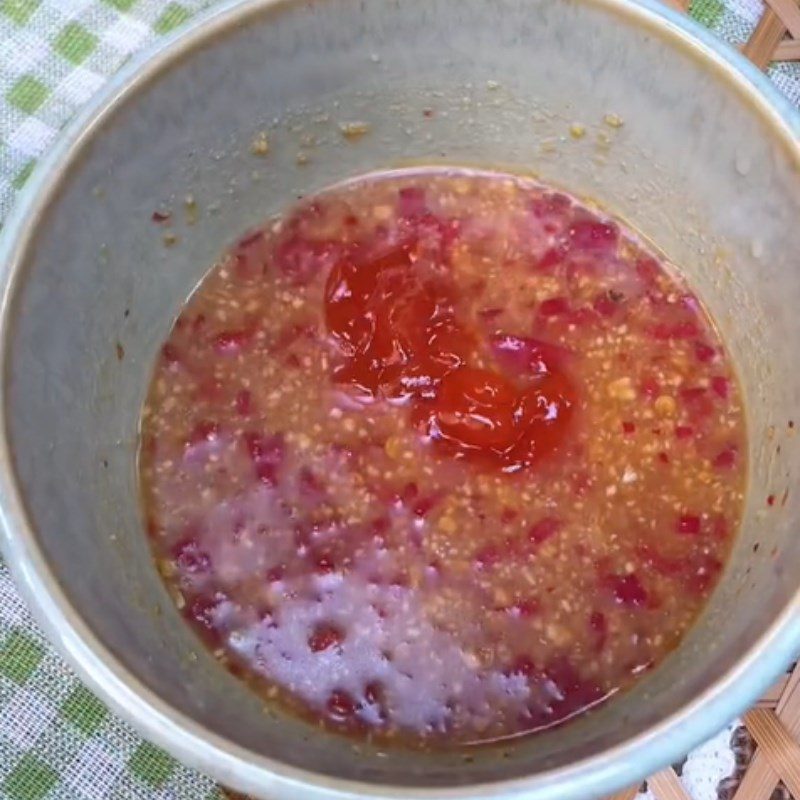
(192, 743)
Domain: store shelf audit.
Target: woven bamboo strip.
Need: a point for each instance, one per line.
(789, 12)
(771, 697)
(788, 50)
(625, 794)
(759, 781)
(777, 745)
(765, 39)
(791, 694)
(665, 785)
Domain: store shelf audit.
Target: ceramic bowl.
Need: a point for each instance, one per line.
(701, 155)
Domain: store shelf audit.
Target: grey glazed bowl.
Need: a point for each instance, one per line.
(707, 164)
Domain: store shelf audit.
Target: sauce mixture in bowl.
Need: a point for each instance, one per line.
(442, 456)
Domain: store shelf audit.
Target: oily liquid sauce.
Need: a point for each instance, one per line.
(442, 456)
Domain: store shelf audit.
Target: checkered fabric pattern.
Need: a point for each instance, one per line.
(57, 741)
(54, 54)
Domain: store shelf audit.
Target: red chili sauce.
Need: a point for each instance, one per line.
(442, 456)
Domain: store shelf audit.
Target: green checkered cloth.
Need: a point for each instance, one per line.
(57, 741)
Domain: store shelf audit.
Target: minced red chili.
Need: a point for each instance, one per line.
(442, 455)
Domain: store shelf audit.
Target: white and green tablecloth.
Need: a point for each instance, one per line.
(58, 742)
